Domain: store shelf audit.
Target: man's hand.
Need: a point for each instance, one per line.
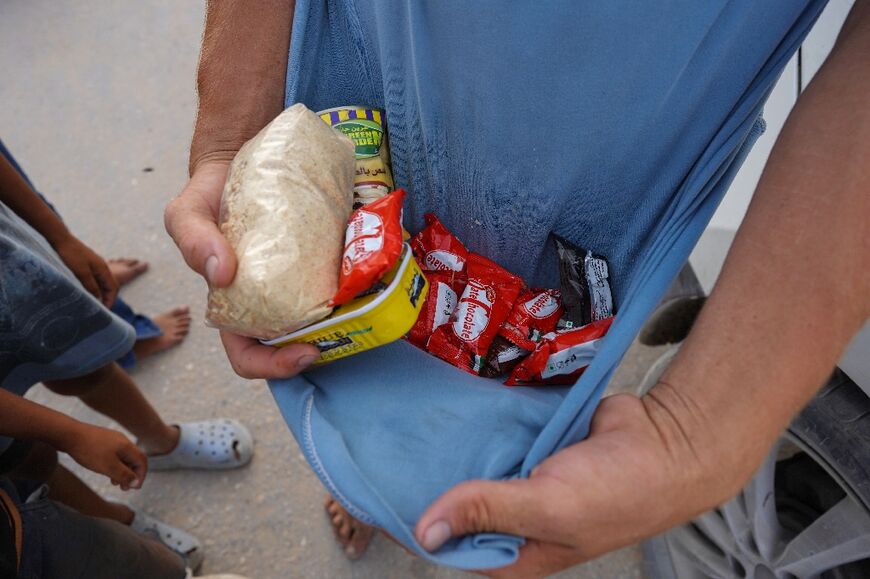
(635, 476)
(240, 84)
(90, 269)
(107, 452)
(191, 220)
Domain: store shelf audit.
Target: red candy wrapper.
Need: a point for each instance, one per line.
(485, 304)
(535, 313)
(445, 287)
(561, 357)
(372, 245)
(436, 249)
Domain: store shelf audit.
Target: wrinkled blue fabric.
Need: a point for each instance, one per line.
(617, 125)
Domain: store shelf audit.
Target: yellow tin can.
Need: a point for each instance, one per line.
(369, 321)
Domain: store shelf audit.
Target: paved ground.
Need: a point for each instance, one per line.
(98, 104)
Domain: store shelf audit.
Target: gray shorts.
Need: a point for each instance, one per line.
(60, 543)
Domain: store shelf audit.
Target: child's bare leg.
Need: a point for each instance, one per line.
(41, 465)
(38, 465)
(111, 391)
(67, 488)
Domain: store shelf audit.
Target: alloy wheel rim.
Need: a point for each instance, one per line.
(748, 537)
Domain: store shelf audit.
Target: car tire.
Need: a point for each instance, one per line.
(819, 523)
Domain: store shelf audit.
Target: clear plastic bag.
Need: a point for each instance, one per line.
(284, 211)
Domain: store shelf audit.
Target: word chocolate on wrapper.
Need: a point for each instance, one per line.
(436, 249)
(373, 244)
(561, 357)
(586, 295)
(485, 304)
(445, 287)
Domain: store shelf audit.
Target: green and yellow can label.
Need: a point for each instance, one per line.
(365, 127)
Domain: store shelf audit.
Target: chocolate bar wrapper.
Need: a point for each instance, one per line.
(585, 284)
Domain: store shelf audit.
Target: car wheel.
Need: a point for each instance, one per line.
(805, 514)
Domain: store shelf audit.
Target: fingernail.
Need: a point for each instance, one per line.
(306, 361)
(436, 535)
(211, 265)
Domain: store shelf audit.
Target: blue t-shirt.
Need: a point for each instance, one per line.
(617, 125)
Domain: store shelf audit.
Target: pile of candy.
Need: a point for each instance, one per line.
(477, 315)
(480, 317)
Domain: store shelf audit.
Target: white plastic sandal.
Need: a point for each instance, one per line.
(217, 444)
(171, 537)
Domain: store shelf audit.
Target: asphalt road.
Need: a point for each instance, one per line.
(98, 104)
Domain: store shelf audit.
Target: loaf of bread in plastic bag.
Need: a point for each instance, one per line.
(284, 211)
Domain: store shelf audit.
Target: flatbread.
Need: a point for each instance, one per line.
(284, 210)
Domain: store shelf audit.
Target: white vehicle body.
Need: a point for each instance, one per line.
(710, 252)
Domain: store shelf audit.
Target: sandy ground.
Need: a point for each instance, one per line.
(98, 105)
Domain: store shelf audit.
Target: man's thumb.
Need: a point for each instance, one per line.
(479, 506)
(192, 225)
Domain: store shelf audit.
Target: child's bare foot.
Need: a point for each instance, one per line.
(126, 269)
(351, 534)
(175, 325)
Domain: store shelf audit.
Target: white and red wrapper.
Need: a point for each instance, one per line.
(436, 249)
(534, 314)
(561, 357)
(372, 245)
(485, 304)
(445, 287)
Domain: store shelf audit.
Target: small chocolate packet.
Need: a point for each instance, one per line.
(501, 358)
(585, 284)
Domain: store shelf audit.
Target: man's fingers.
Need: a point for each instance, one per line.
(251, 359)
(191, 220)
(523, 507)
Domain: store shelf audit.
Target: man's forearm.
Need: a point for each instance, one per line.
(241, 75)
(17, 194)
(26, 420)
(796, 285)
